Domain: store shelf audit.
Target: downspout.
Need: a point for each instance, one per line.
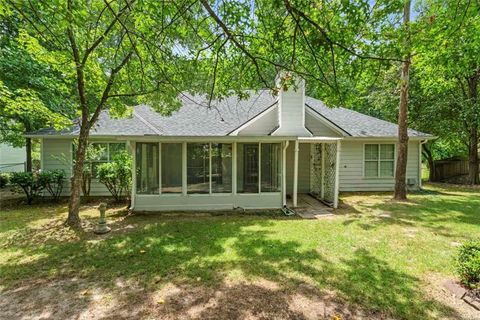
(285, 209)
(295, 174)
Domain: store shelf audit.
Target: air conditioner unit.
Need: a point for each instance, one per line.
(411, 182)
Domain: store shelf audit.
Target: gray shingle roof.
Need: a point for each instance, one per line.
(357, 124)
(195, 118)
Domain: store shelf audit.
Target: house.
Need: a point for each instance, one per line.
(12, 159)
(251, 153)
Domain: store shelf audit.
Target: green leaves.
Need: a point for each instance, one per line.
(117, 175)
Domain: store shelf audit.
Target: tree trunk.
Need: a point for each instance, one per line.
(28, 150)
(432, 173)
(73, 218)
(473, 162)
(400, 192)
(473, 172)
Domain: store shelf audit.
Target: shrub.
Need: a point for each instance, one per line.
(117, 175)
(53, 181)
(468, 263)
(4, 179)
(30, 183)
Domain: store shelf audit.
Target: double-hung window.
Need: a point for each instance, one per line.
(379, 160)
(99, 153)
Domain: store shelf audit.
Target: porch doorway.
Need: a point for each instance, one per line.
(323, 166)
(317, 172)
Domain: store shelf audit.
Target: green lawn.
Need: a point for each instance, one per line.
(375, 257)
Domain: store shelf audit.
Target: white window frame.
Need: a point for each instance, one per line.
(108, 142)
(378, 160)
(260, 168)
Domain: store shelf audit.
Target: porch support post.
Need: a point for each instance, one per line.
(284, 172)
(295, 174)
(337, 175)
(234, 174)
(184, 168)
(420, 143)
(132, 147)
(322, 190)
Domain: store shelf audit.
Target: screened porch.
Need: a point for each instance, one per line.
(198, 175)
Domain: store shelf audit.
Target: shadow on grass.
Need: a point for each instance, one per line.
(438, 212)
(205, 253)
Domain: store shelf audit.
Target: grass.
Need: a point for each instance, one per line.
(379, 256)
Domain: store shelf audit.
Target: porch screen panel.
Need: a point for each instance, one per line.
(221, 167)
(171, 168)
(271, 167)
(247, 168)
(198, 168)
(147, 168)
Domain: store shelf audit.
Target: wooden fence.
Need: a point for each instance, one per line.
(445, 169)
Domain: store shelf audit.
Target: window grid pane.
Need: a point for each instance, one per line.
(271, 166)
(247, 168)
(171, 168)
(100, 151)
(147, 168)
(371, 168)
(221, 167)
(386, 168)
(387, 152)
(115, 149)
(371, 151)
(198, 168)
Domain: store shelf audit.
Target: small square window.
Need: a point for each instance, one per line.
(379, 160)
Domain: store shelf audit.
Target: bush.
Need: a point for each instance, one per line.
(117, 175)
(4, 179)
(30, 183)
(468, 263)
(53, 181)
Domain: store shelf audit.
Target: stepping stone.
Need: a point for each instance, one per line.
(457, 290)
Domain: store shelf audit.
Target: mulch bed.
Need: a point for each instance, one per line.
(472, 297)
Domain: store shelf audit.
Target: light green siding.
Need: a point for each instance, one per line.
(207, 202)
(318, 128)
(57, 154)
(12, 159)
(351, 167)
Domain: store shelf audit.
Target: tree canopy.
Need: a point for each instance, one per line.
(110, 55)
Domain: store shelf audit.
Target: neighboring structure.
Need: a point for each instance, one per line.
(12, 159)
(252, 153)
